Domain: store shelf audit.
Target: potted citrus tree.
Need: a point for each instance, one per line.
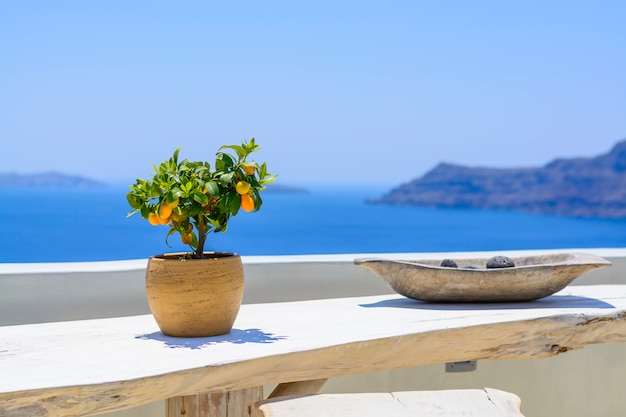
(198, 293)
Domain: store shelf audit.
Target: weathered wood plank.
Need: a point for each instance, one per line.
(487, 402)
(96, 366)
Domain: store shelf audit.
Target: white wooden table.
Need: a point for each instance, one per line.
(96, 366)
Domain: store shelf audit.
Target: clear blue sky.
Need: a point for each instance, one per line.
(370, 92)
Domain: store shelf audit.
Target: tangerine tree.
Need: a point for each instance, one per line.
(195, 199)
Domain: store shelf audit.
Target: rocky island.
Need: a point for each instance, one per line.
(47, 179)
(580, 187)
(59, 180)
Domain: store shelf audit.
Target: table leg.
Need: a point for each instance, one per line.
(236, 403)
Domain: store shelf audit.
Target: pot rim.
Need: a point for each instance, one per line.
(185, 256)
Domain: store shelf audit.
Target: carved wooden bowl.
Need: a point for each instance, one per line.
(532, 277)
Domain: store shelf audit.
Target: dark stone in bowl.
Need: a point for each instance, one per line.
(449, 263)
(500, 262)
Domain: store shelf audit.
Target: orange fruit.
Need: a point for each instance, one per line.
(247, 203)
(166, 211)
(164, 220)
(249, 169)
(186, 238)
(242, 187)
(153, 219)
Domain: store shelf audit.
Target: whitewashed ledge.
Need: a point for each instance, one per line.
(140, 264)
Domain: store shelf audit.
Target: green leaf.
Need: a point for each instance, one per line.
(224, 161)
(251, 146)
(133, 200)
(145, 210)
(194, 241)
(225, 179)
(224, 203)
(155, 190)
(175, 156)
(269, 180)
(212, 188)
(169, 233)
(194, 210)
(241, 153)
(235, 203)
(174, 194)
(186, 188)
(201, 198)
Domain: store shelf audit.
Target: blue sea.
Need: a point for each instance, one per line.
(69, 225)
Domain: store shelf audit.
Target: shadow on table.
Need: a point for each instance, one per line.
(236, 336)
(553, 301)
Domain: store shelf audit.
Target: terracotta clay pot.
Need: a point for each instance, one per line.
(195, 297)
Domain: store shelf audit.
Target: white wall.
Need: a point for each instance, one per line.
(45, 292)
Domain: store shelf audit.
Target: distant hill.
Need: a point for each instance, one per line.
(47, 179)
(55, 179)
(581, 187)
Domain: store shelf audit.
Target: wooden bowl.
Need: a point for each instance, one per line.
(532, 277)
